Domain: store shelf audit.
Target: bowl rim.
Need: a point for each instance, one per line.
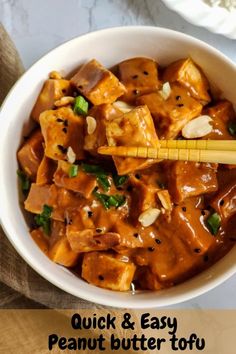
(215, 23)
(47, 274)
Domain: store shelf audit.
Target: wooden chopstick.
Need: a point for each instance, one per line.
(229, 145)
(197, 155)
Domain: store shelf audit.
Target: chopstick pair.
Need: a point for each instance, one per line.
(214, 151)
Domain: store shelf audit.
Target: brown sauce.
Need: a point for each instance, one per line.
(114, 221)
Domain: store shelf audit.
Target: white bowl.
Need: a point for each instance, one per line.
(216, 19)
(108, 46)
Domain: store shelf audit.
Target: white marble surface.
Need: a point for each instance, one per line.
(38, 26)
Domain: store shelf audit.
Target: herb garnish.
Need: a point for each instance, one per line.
(81, 105)
(104, 182)
(109, 201)
(120, 180)
(25, 181)
(44, 219)
(73, 171)
(213, 223)
(100, 174)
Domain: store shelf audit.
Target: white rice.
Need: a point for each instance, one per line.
(228, 4)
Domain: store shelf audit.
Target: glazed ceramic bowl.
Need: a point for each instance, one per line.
(109, 46)
(216, 19)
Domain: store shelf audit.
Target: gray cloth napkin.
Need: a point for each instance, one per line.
(17, 280)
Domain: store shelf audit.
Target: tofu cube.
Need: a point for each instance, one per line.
(170, 115)
(173, 262)
(225, 202)
(97, 84)
(41, 240)
(221, 113)
(147, 280)
(31, 154)
(83, 183)
(143, 197)
(62, 253)
(139, 76)
(61, 129)
(52, 91)
(46, 171)
(127, 238)
(188, 179)
(88, 240)
(135, 128)
(102, 114)
(190, 76)
(189, 224)
(104, 270)
(61, 200)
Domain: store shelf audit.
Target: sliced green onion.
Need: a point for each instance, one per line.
(112, 201)
(109, 201)
(44, 219)
(232, 128)
(80, 105)
(213, 223)
(120, 199)
(104, 182)
(95, 169)
(24, 180)
(120, 180)
(102, 198)
(73, 171)
(100, 173)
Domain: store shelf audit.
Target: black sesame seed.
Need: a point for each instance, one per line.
(222, 202)
(180, 105)
(64, 130)
(129, 189)
(136, 92)
(59, 120)
(184, 209)
(197, 250)
(62, 149)
(98, 242)
(80, 87)
(135, 234)
(134, 76)
(158, 241)
(175, 204)
(90, 214)
(66, 123)
(206, 258)
(64, 90)
(151, 249)
(203, 212)
(145, 72)
(119, 188)
(98, 231)
(100, 277)
(138, 176)
(161, 185)
(178, 98)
